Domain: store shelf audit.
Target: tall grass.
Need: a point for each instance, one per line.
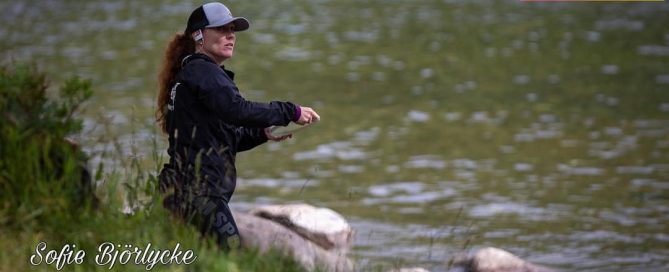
(46, 193)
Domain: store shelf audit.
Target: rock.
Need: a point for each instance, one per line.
(261, 233)
(322, 226)
(492, 259)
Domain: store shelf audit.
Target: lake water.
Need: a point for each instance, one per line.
(447, 126)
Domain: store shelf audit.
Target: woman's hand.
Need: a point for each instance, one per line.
(308, 116)
(270, 137)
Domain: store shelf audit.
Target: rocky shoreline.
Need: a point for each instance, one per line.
(320, 239)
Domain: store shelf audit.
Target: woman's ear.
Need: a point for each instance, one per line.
(197, 35)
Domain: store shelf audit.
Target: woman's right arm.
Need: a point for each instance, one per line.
(220, 95)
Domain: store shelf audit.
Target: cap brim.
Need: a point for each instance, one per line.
(241, 23)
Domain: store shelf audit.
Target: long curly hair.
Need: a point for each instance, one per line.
(179, 47)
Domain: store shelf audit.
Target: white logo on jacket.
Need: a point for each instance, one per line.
(173, 95)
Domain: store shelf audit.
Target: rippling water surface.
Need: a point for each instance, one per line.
(447, 126)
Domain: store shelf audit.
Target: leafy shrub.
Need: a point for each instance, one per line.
(41, 172)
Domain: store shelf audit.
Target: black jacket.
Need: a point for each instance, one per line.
(208, 122)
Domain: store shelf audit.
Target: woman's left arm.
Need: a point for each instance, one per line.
(248, 138)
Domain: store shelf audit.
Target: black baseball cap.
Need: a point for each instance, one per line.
(214, 15)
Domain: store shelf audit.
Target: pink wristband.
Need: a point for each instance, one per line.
(298, 113)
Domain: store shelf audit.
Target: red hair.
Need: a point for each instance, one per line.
(179, 47)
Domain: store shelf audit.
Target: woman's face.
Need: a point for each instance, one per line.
(219, 42)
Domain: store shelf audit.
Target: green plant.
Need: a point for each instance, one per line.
(42, 173)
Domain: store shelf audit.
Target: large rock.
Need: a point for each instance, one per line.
(261, 233)
(322, 226)
(492, 259)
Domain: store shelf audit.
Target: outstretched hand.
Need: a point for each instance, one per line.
(308, 116)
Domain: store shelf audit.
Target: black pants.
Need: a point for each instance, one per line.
(210, 214)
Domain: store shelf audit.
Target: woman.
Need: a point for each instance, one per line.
(208, 121)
